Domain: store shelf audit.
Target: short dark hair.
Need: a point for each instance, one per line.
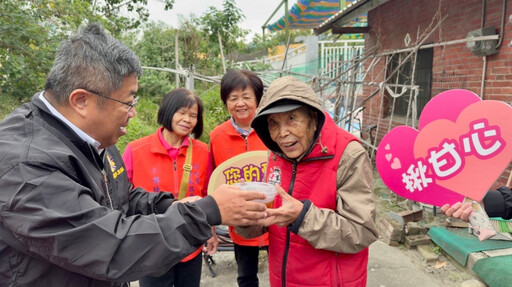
(175, 100)
(240, 79)
(91, 59)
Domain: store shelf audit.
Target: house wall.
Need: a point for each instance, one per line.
(454, 66)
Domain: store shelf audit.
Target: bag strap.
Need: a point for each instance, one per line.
(187, 167)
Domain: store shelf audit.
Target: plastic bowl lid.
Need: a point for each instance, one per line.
(268, 189)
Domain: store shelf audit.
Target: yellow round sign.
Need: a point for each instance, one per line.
(251, 166)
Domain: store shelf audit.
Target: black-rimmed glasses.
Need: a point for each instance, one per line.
(129, 104)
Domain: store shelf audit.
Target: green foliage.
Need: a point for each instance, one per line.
(31, 32)
(259, 67)
(33, 29)
(264, 42)
(281, 38)
(114, 11)
(225, 23)
(154, 85)
(214, 114)
(156, 48)
(269, 42)
(190, 39)
(437, 250)
(143, 124)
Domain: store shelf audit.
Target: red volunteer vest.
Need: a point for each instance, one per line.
(225, 143)
(155, 171)
(293, 262)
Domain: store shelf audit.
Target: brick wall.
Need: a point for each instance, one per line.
(454, 66)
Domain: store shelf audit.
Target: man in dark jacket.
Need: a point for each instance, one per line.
(68, 213)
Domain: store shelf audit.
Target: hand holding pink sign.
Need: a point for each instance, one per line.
(462, 146)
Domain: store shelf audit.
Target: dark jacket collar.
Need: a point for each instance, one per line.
(61, 130)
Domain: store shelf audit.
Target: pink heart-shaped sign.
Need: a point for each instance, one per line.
(451, 156)
(401, 141)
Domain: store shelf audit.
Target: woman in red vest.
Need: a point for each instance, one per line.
(172, 161)
(240, 91)
(323, 219)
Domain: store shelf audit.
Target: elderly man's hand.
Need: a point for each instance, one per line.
(236, 206)
(285, 214)
(458, 210)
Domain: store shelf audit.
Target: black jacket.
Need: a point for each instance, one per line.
(68, 216)
(498, 203)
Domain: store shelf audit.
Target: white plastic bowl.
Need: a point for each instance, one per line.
(268, 189)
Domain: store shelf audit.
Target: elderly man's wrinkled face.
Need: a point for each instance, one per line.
(293, 131)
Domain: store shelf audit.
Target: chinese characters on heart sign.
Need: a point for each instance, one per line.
(482, 141)
(248, 172)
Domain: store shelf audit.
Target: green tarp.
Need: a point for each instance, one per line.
(458, 243)
(495, 271)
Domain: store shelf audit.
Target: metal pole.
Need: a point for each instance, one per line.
(176, 59)
(286, 22)
(266, 22)
(342, 4)
(285, 56)
(190, 79)
(221, 53)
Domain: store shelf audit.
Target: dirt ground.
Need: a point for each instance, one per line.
(225, 270)
(445, 269)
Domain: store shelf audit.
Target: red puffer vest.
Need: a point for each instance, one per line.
(154, 170)
(225, 143)
(293, 262)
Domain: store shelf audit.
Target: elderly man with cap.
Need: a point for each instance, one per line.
(323, 218)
